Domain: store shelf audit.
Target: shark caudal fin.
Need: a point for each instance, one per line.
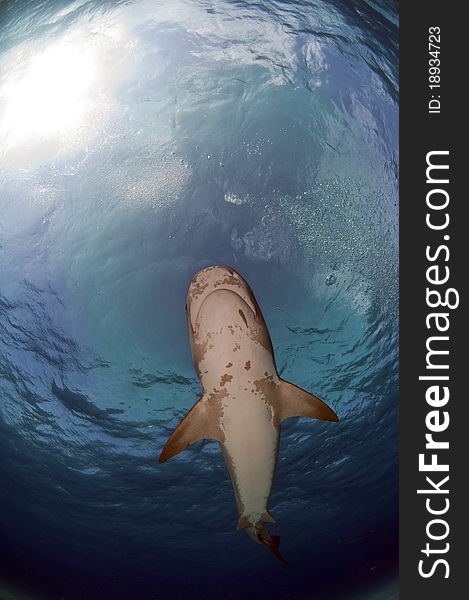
(200, 423)
(273, 547)
(294, 401)
(272, 542)
(259, 533)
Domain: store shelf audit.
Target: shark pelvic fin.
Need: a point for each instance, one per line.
(245, 522)
(200, 423)
(267, 518)
(296, 402)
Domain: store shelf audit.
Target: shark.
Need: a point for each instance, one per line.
(244, 400)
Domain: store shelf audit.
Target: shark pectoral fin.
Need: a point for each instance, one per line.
(296, 402)
(200, 423)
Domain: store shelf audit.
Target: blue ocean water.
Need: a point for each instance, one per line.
(139, 142)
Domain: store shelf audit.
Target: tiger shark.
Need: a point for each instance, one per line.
(244, 401)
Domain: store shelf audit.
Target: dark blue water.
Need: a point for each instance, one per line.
(139, 142)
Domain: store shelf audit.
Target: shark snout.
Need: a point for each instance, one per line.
(212, 279)
(215, 275)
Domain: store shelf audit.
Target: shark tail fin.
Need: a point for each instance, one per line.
(273, 546)
(297, 402)
(200, 423)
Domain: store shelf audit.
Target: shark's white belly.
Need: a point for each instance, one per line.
(233, 364)
(250, 449)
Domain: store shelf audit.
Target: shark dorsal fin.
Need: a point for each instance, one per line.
(200, 423)
(294, 401)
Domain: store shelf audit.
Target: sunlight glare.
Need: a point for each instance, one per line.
(48, 94)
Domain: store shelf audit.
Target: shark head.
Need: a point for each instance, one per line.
(213, 279)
